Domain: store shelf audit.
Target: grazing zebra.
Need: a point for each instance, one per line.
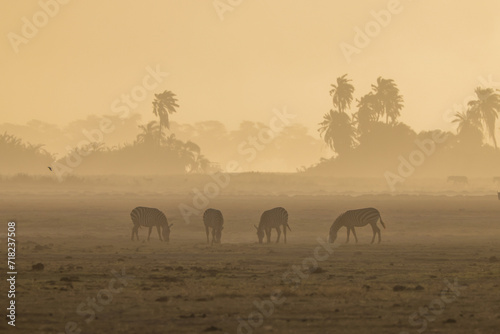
(213, 219)
(149, 217)
(356, 218)
(270, 219)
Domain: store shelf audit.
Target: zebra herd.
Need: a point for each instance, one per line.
(276, 218)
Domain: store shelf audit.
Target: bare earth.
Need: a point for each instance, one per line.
(431, 243)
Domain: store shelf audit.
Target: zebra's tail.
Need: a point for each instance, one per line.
(288, 227)
(382, 222)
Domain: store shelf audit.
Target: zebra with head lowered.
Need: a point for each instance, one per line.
(213, 219)
(356, 218)
(149, 217)
(270, 219)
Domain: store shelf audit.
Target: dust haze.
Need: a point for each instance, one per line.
(120, 118)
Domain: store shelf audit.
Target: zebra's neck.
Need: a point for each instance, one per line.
(336, 226)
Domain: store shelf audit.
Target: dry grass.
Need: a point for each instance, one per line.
(189, 287)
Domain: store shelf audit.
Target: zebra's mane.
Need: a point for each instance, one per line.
(337, 224)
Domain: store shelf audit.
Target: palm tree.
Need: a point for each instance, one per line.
(367, 112)
(486, 108)
(342, 93)
(163, 105)
(150, 133)
(93, 147)
(338, 131)
(469, 128)
(200, 164)
(173, 143)
(389, 101)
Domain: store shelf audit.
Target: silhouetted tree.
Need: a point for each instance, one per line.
(486, 108)
(469, 128)
(337, 127)
(367, 112)
(163, 105)
(389, 102)
(150, 133)
(338, 131)
(18, 156)
(342, 93)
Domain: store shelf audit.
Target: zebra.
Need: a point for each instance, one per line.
(213, 219)
(149, 217)
(356, 218)
(270, 219)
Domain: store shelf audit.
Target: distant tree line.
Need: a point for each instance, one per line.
(371, 134)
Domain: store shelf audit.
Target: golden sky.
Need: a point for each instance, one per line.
(262, 55)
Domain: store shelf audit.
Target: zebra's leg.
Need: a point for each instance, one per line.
(278, 230)
(374, 228)
(213, 235)
(268, 235)
(348, 233)
(379, 237)
(354, 233)
(135, 230)
(208, 233)
(150, 229)
(284, 232)
(159, 232)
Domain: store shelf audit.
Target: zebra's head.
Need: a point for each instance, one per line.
(332, 236)
(166, 232)
(218, 235)
(260, 234)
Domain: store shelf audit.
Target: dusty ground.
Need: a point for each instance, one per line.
(189, 287)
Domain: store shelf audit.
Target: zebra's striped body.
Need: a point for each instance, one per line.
(356, 218)
(270, 219)
(150, 217)
(213, 219)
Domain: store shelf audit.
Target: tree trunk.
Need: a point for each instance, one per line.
(159, 137)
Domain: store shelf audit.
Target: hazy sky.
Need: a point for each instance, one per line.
(263, 55)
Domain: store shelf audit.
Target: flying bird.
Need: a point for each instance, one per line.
(50, 168)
